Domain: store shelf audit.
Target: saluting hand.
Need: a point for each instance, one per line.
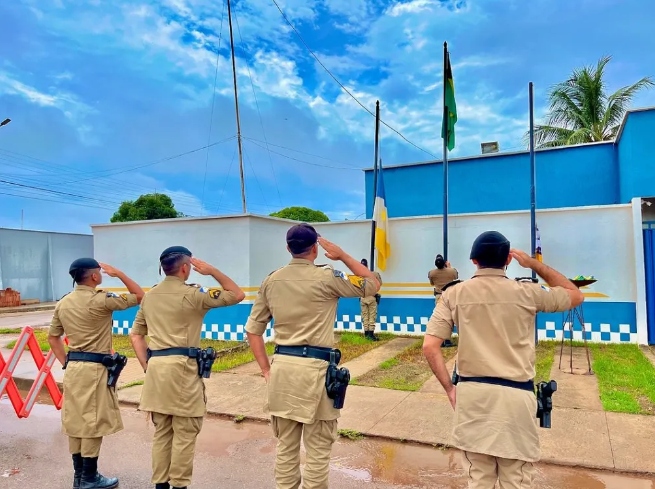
(522, 257)
(109, 270)
(201, 267)
(333, 252)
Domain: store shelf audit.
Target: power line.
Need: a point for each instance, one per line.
(211, 118)
(342, 85)
(304, 161)
(20, 196)
(261, 122)
(301, 152)
(256, 179)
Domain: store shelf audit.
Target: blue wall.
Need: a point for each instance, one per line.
(502, 182)
(595, 174)
(635, 149)
(607, 321)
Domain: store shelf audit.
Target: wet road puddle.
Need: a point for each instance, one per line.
(368, 463)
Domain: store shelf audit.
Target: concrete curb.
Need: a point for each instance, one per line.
(22, 309)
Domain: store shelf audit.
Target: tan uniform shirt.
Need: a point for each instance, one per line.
(371, 299)
(171, 315)
(90, 408)
(440, 277)
(495, 319)
(302, 300)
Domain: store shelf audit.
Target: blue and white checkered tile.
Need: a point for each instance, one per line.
(596, 332)
(408, 325)
(121, 328)
(227, 332)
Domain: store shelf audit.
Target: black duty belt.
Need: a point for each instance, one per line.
(82, 356)
(306, 351)
(528, 385)
(165, 352)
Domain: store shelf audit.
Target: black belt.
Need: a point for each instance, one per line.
(528, 385)
(81, 356)
(318, 352)
(165, 352)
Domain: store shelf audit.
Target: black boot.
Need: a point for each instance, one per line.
(77, 466)
(91, 479)
(162, 485)
(372, 337)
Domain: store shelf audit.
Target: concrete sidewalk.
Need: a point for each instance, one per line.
(44, 306)
(579, 437)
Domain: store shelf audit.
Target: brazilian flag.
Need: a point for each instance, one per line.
(450, 114)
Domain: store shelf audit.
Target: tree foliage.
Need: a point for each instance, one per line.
(145, 208)
(303, 214)
(581, 111)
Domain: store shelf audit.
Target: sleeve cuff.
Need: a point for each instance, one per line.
(255, 327)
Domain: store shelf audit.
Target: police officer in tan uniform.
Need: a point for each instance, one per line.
(494, 401)
(301, 298)
(441, 275)
(90, 410)
(171, 315)
(369, 308)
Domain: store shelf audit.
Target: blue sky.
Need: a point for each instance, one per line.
(100, 91)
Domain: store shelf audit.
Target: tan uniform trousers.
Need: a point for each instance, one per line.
(173, 448)
(318, 439)
(88, 447)
(482, 471)
(369, 314)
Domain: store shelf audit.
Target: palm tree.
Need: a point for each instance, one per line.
(582, 112)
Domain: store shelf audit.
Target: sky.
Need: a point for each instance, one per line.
(113, 99)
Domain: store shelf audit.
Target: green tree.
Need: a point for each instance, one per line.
(145, 208)
(303, 214)
(581, 111)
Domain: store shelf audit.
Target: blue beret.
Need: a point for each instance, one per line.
(300, 237)
(83, 264)
(174, 250)
(490, 249)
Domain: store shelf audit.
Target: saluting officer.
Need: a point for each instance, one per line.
(494, 402)
(441, 275)
(171, 315)
(369, 308)
(90, 410)
(301, 298)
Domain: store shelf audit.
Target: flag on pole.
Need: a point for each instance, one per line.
(450, 112)
(537, 253)
(381, 224)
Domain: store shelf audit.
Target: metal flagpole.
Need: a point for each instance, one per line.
(375, 183)
(533, 182)
(445, 156)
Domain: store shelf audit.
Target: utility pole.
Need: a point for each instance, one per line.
(236, 103)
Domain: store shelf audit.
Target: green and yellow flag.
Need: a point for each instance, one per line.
(450, 114)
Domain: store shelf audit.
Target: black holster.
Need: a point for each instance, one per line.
(117, 364)
(204, 358)
(377, 298)
(205, 361)
(114, 363)
(336, 382)
(545, 392)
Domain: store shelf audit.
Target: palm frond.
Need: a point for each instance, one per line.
(619, 102)
(546, 136)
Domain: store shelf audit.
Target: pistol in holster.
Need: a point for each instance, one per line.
(336, 380)
(115, 364)
(377, 298)
(205, 359)
(455, 379)
(545, 392)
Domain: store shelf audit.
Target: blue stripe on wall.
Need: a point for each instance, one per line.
(606, 321)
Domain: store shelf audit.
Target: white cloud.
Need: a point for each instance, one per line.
(411, 7)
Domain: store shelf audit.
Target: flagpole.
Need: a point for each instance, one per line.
(375, 183)
(445, 156)
(533, 182)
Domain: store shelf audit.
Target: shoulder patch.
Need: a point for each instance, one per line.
(356, 280)
(547, 289)
(527, 279)
(111, 294)
(340, 274)
(213, 292)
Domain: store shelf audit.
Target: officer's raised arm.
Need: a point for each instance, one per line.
(563, 296)
(115, 302)
(213, 297)
(363, 282)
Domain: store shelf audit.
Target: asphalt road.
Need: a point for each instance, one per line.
(34, 454)
(18, 320)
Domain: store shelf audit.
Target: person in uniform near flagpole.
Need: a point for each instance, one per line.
(494, 401)
(306, 389)
(171, 315)
(369, 308)
(90, 409)
(441, 275)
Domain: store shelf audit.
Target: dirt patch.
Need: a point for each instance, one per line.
(407, 371)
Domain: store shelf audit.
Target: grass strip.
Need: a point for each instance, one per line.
(544, 360)
(10, 330)
(236, 358)
(407, 371)
(626, 378)
(353, 345)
